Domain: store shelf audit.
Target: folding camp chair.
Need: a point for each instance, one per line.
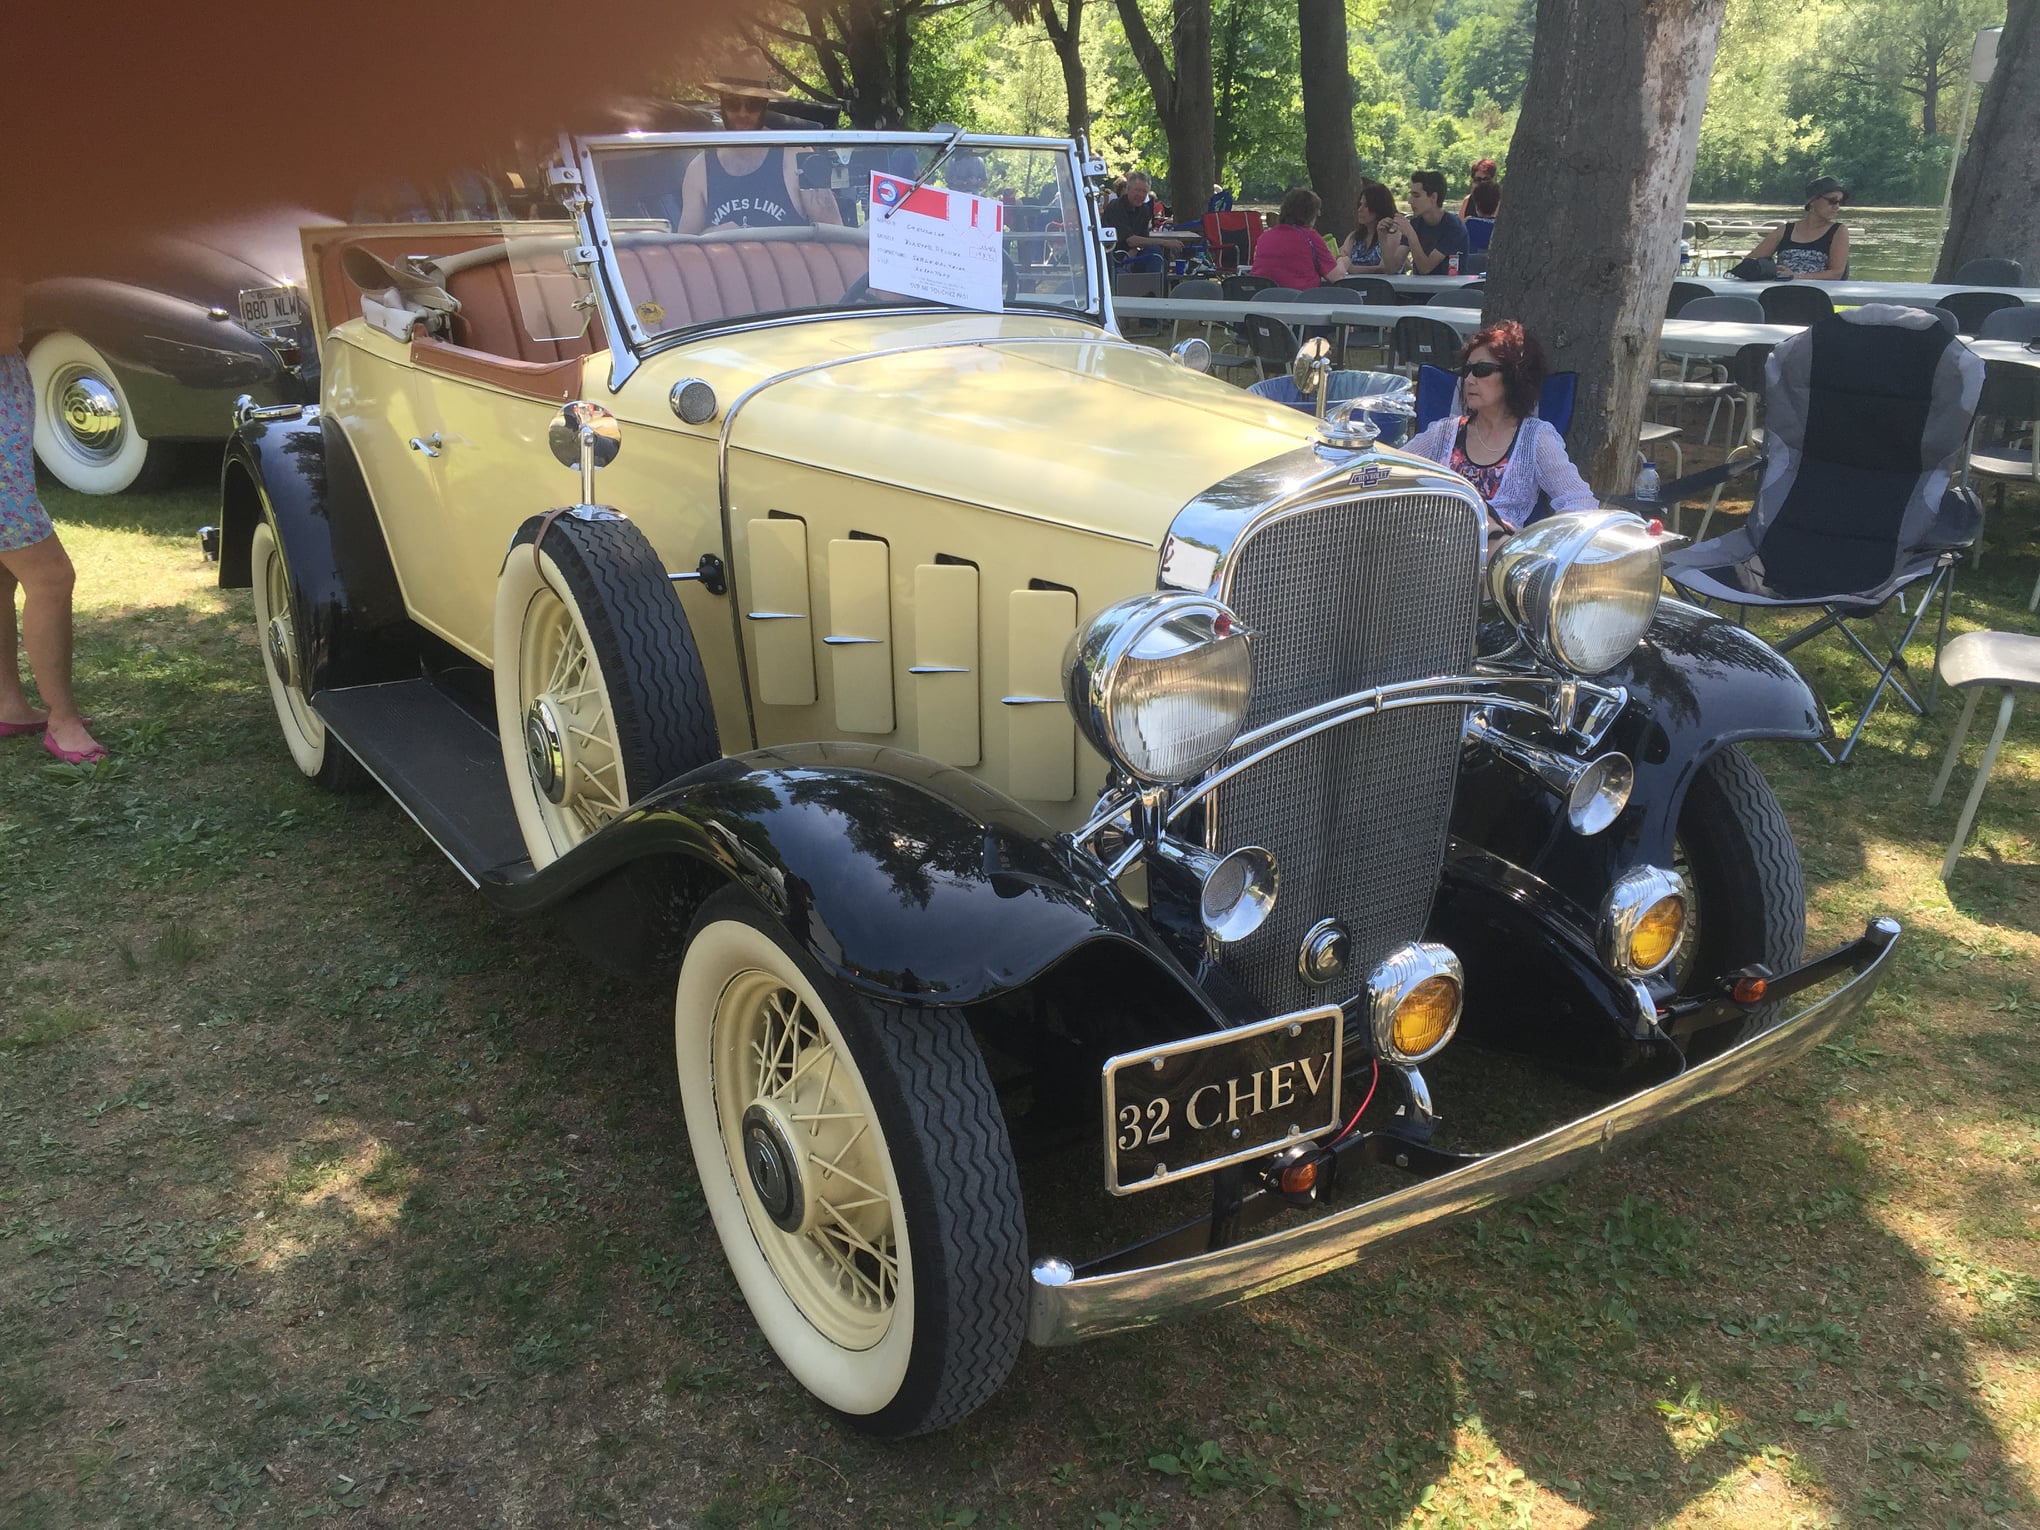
(1866, 415)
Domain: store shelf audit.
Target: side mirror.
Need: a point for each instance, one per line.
(1312, 370)
(584, 436)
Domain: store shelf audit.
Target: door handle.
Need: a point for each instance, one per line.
(429, 445)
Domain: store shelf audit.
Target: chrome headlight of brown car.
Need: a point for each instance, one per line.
(1582, 588)
(1160, 683)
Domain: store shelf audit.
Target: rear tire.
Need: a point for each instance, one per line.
(600, 693)
(1736, 851)
(895, 1290)
(323, 758)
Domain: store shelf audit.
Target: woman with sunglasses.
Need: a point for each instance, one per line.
(1816, 248)
(1517, 461)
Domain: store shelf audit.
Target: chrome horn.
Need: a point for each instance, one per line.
(1236, 891)
(1594, 791)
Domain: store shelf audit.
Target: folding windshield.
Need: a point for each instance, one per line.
(708, 229)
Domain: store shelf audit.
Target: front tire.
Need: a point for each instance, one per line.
(85, 432)
(856, 1164)
(1741, 865)
(316, 752)
(600, 692)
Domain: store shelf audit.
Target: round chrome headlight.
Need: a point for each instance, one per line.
(1160, 683)
(1582, 588)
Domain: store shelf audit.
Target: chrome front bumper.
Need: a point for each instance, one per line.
(1066, 1310)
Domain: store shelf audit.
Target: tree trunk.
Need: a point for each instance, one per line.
(1995, 210)
(1930, 99)
(1183, 96)
(1328, 150)
(1066, 38)
(1598, 173)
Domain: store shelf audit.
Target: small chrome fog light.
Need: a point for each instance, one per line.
(1643, 921)
(1413, 1002)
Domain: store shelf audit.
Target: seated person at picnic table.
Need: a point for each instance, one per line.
(1134, 214)
(1499, 445)
(1481, 172)
(1816, 248)
(1430, 236)
(1292, 253)
(1361, 249)
(1485, 201)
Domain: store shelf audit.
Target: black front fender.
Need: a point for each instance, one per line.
(1696, 684)
(352, 628)
(905, 878)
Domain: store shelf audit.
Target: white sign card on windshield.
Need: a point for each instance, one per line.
(929, 242)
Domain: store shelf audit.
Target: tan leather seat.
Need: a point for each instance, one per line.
(491, 319)
(700, 283)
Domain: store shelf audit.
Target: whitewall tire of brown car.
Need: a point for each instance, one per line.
(315, 751)
(857, 1168)
(600, 694)
(85, 431)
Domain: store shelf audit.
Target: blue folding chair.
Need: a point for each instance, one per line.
(1438, 396)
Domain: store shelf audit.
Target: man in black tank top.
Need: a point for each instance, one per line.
(751, 187)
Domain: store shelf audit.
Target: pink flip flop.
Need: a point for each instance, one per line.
(90, 756)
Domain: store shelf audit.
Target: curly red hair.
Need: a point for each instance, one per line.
(1522, 360)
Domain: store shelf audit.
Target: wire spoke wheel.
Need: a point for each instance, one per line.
(855, 1162)
(315, 753)
(793, 1113)
(570, 731)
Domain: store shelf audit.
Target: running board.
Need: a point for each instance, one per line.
(441, 765)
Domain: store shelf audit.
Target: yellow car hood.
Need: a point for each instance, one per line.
(1038, 417)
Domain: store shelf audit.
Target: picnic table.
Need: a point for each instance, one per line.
(1845, 294)
(1677, 337)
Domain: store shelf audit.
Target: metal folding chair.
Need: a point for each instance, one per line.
(1866, 415)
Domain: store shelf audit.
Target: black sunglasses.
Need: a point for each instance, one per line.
(1480, 369)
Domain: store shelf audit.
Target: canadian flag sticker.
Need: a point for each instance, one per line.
(930, 242)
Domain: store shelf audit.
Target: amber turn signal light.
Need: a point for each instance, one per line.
(1657, 933)
(1424, 1018)
(1749, 989)
(1300, 1177)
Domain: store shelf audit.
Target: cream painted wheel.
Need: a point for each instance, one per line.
(600, 695)
(318, 755)
(856, 1166)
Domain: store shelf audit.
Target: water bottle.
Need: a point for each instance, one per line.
(1647, 481)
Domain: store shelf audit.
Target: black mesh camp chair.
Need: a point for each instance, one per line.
(1972, 308)
(1991, 271)
(1795, 303)
(1866, 413)
(1417, 342)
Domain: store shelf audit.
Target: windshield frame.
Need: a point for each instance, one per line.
(620, 318)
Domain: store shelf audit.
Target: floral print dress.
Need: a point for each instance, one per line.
(23, 521)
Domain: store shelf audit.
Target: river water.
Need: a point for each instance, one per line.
(1891, 244)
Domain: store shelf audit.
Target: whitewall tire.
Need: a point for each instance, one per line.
(600, 694)
(857, 1168)
(319, 755)
(85, 434)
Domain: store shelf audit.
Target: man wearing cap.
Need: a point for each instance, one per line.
(1816, 248)
(754, 186)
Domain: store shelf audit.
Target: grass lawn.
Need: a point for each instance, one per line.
(325, 1192)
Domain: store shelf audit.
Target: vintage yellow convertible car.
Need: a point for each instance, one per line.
(1044, 765)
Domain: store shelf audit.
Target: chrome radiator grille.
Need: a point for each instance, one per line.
(1339, 598)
